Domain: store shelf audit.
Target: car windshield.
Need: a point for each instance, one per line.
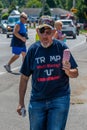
(13, 20)
(66, 22)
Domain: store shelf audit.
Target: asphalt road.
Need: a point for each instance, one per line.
(9, 119)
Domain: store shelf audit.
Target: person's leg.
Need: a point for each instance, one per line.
(58, 112)
(13, 58)
(23, 53)
(16, 52)
(37, 116)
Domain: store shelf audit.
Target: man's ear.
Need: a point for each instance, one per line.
(53, 31)
(37, 30)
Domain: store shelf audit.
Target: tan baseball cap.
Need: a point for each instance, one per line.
(46, 21)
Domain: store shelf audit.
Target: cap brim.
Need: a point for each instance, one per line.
(44, 25)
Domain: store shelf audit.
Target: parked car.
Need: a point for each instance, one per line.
(11, 23)
(4, 28)
(68, 28)
(0, 28)
(33, 19)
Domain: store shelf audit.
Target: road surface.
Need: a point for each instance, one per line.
(77, 120)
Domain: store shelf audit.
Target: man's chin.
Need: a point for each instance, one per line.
(45, 45)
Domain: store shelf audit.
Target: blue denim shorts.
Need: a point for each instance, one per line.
(49, 115)
(18, 50)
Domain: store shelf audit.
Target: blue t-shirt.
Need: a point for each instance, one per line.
(45, 65)
(16, 41)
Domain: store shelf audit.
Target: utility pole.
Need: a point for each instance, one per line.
(74, 3)
(73, 9)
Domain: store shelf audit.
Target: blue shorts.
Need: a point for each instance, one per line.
(18, 50)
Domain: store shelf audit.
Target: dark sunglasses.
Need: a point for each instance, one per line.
(24, 17)
(42, 30)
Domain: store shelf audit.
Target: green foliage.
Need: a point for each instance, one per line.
(85, 1)
(81, 5)
(5, 16)
(34, 4)
(1, 5)
(22, 3)
(82, 9)
(12, 7)
(51, 3)
(62, 4)
(68, 4)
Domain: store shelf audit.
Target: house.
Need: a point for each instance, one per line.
(54, 11)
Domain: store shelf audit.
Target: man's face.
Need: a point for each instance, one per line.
(23, 19)
(45, 36)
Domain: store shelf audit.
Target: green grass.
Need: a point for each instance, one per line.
(83, 31)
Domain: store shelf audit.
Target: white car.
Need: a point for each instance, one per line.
(68, 28)
(11, 23)
(12, 20)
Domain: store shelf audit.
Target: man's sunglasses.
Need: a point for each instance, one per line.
(24, 17)
(48, 30)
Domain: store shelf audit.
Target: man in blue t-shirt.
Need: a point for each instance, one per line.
(18, 42)
(50, 94)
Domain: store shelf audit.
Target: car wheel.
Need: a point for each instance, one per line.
(7, 36)
(74, 36)
(77, 33)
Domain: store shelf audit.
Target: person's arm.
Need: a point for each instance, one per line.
(72, 73)
(15, 32)
(55, 35)
(63, 37)
(22, 91)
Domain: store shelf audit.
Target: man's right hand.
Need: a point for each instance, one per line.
(19, 109)
(23, 39)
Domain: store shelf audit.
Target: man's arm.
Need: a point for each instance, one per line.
(22, 91)
(15, 32)
(72, 73)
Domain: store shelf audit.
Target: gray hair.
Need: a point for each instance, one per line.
(23, 14)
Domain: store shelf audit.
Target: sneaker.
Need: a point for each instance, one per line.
(8, 68)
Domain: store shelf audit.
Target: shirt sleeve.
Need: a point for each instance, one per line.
(26, 67)
(73, 62)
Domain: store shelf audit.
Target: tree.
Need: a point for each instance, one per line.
(34, 4)
(22, 3)
(68, 5)
(5, 3)
(82, 7)
(51, 3)
(5, 16)
(12, 7)
(62, 4)
(1, 7)
(1, 4)
(45, 10)
(85, 1)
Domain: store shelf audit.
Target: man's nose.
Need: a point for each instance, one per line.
(45, 33)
